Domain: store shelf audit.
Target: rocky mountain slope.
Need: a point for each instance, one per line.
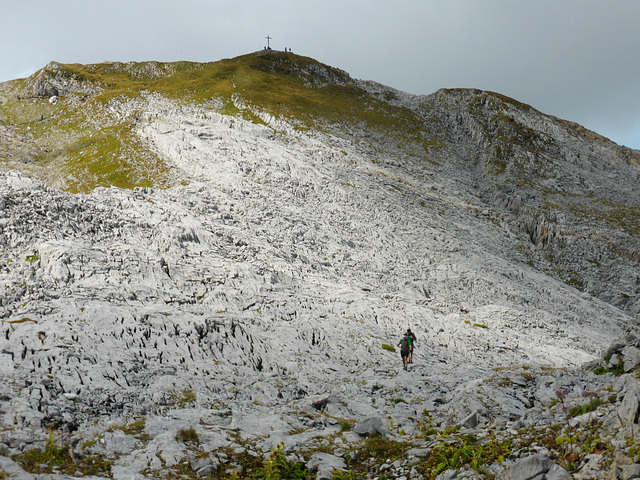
(202, 263)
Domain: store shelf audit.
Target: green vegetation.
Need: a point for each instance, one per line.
(57, 458)
(617, 369)
(81, 144)
(465, 451)
(346, 425)
(449, 448)
(187, 435)
(277, 467)
(182, 398)
(135, 428)
(32, 258)
(388, 347)
(382, 448)
(593, 404)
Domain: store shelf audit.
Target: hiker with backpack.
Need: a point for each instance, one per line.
(405, 348)
(412, 342)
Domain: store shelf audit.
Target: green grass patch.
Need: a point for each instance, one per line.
(32, 258)
(464, 452)
(346, 425)
(616, 370)
(577, 410)
(182, 398)
(58, 459)
(278, 467)
(382, 448)
(75, 155)
(187, 435)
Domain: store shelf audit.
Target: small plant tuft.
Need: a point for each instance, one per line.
(187, 435)
(278, 467)
(346, 425)
(182, 398)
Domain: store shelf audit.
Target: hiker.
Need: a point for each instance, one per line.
(404, 350)
(412, 342)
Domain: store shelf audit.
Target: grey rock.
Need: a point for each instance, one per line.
(370, 426)
(631, 471)
(528, 468)
(471, 421)
(13, 470)
(207, 470)
(319, 402)
(449, 474)
(419, 452)
(325, 465)
(631, 357)
(615, 347)
(629, 409)
(614, 360)
(556, 472)
(119, 442)
(204, 465)
(120, 472)
(42, 88)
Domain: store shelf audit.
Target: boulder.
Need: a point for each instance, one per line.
(13, 470)
(325, 464)
(471, 421)
(630, 407)
(630, 357)
(556, 472)
(528, 468)
(448, 474)
(119, 442)
(631, 471)
(370, 426)
(42, 88)
(615, 347)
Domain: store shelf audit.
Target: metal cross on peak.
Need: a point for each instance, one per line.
(268, 38)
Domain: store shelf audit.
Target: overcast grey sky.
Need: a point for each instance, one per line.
(575, 59)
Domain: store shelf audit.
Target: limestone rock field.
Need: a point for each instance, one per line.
(205, 270)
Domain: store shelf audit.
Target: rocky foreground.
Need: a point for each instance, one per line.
(243, 322)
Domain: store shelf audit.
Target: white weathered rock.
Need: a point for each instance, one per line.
(325, 465)
(629, 410)
(254, 299)
(528, 468)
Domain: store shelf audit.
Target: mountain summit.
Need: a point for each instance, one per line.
(227, 252)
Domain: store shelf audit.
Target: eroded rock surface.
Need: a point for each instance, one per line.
(256, 305)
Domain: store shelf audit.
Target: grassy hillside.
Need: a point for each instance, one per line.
(77, 144)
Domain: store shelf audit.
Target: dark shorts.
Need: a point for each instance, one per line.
(404, 353)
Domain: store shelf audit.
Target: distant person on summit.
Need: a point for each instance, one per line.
(404, 345)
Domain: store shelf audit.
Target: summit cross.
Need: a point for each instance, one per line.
(268, 38)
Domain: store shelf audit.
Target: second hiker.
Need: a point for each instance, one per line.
(404, 345)
(412, 343)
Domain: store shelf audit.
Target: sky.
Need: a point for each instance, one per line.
(576, 59)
